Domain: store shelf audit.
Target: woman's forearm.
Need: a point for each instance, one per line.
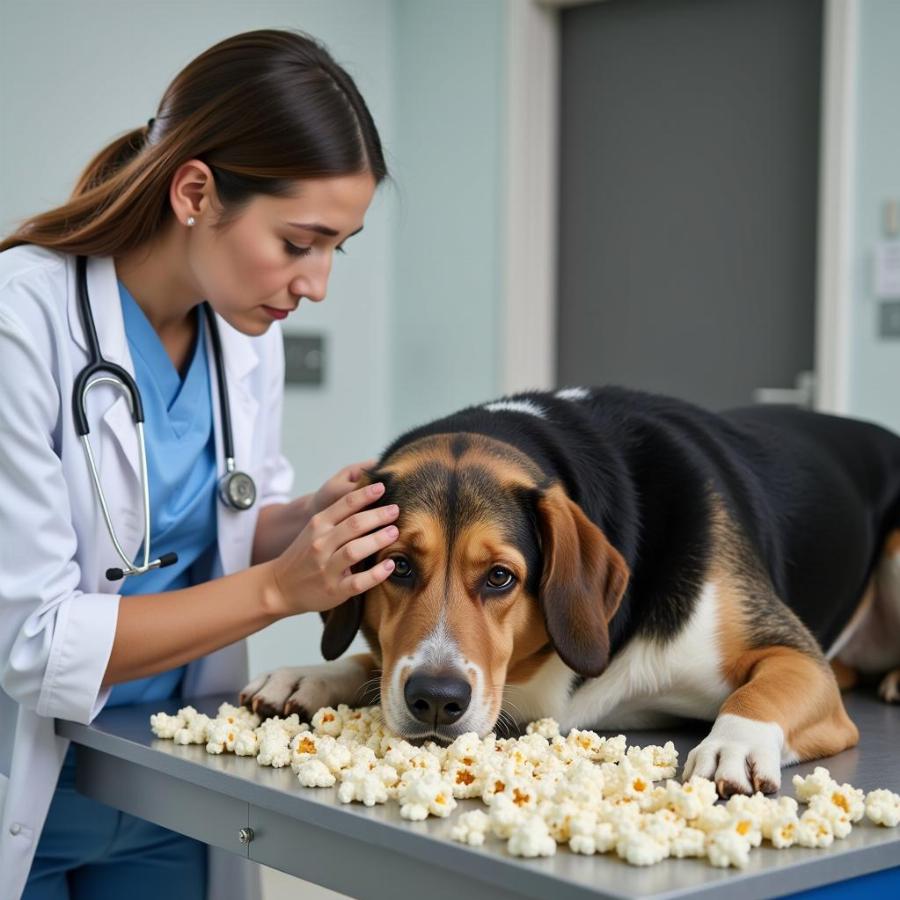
(158, 632)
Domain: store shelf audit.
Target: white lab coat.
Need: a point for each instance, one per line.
(57, 610)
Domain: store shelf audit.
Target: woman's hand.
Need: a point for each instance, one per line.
(280, 523)
(314, 572)
(337, 486)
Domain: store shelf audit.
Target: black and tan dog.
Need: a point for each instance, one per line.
(615, 559)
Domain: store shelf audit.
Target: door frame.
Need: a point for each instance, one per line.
(528, 311)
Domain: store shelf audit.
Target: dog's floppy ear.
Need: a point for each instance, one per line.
(341, 625)
(583, 580)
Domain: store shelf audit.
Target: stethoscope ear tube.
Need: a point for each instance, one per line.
(236, 489)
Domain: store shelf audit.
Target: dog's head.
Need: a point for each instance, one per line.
(495, 570)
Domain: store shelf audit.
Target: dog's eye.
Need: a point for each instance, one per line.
(402, 568)
(500, 578)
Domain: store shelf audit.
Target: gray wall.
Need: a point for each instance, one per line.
(874, 362)
(409, 320)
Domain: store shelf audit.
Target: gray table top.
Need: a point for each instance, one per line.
(124, 732)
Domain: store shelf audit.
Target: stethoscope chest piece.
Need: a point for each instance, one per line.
(237, 490)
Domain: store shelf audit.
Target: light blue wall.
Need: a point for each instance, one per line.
(875, 363)
(449, 114)
(85, 72)
(411, 316)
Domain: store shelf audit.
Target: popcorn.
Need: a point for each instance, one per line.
(691, 798)
(363, 785)
(424, 795)
(727, 847)
(314, 773)
(639, 848)
(166, 726)
(471, 828)
(883, 808)
(838, 818)
(194, 730)
(592, 793)
(505, 816)
(328, 721)
(221, 735)
(689, 842)
(273, 747)
(782, 830)
(814, 830)
(531, 838)
(807, 788)
(546, 728)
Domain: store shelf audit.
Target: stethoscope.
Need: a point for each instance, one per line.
(236, 489)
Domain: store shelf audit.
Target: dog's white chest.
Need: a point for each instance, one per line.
(647, 684)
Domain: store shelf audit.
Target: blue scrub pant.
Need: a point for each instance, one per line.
(90, 851)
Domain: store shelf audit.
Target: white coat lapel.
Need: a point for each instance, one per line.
(113, 434)
(235, 528)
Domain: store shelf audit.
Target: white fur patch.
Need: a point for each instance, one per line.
(438, 651)
(520, 406)
(311, 687)
(573, 393)
(736, 745)
(647, 684)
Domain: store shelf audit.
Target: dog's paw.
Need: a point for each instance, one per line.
(740, 755)
(889, 689)
(305, 689)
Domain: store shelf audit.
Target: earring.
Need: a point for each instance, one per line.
(190, 221)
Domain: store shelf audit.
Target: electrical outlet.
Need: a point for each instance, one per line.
(889, 326)
(304, 359)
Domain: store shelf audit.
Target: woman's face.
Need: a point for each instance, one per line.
(278, 251)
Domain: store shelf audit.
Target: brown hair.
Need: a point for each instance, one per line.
(262, 109)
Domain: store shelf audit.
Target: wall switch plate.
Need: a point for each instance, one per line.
(889, 324)
(887, 270)
(304, 359)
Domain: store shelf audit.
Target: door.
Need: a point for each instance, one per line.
(689, 163)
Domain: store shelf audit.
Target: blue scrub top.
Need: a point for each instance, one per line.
(181, 468)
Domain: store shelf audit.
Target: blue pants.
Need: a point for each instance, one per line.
(90, 851)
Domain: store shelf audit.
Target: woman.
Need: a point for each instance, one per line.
(259, 164)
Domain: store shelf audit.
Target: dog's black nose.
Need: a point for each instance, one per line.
(437, 700)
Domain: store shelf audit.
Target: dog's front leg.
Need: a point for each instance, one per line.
(788, 709)
(306, 689)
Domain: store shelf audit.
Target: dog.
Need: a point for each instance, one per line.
(616, 559)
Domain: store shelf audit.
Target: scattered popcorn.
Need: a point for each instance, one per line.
(727, 847)
(689, 842)
(883, 808)
(807, 788)
(328, 721)
(194, 730)
(814, 830)
(314, 773)
(782, 830)
(531, 838)
(246, 743)
(471, 828)
(426, 794)
(546, 728)
(592, 793)
(166, 726)
(363, 785)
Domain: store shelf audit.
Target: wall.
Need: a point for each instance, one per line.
(449, 115)
(410, 323)
(874, 362)
(77, 86)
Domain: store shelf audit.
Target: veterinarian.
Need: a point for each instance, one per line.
(164, 276)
